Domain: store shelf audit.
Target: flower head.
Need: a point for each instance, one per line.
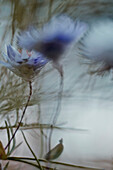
(24, 64)
(97, 46)
(54, 38)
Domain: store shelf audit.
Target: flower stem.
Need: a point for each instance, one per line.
(57, 109)
(19, 124)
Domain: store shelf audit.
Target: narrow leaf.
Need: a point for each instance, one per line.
(32, 151)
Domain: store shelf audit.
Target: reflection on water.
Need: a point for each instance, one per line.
(85, 120)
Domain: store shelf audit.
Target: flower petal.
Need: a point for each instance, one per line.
(59, 32)
(25, 65)
(80, 29)
(26, 39)
(64, 29)
(13, 54)
(5, 64)
(98, 44)
(24, 55)
(37, 60)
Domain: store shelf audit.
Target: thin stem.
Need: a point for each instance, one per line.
(54, 162)
(19, 160)
(44, 126)
(41, 129)
(30, 163)
(32, 152)
(30, 93)
(17, 116)
(57, 109)
(50, 8)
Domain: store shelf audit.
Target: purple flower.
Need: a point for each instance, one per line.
(24, 64)
(97, 46)
(54, 38)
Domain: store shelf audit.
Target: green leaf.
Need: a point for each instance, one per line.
(14, 141)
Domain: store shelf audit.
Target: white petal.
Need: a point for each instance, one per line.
(5, 64)
(80, 29)
(63, 25)
(13, 54)
(59, 24)
(26, 39)
(24, 55)
(5, 57)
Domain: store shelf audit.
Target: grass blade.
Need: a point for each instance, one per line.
(6, 166)
(14, 141)
(8, 136)
(32, 152)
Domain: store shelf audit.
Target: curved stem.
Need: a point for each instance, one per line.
(57, 109)
(30, 93)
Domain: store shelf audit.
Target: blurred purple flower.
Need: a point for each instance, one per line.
(54, 38)
(97, 46)
(24, 64)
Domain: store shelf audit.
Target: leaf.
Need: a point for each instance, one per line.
(55, 152)
(17, 146)
(14, 141)
(6, 166)
(3, 155)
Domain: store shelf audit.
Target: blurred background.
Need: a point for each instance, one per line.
(85, 121)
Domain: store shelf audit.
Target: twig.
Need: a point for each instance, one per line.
(44, 126)
(54, 162)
